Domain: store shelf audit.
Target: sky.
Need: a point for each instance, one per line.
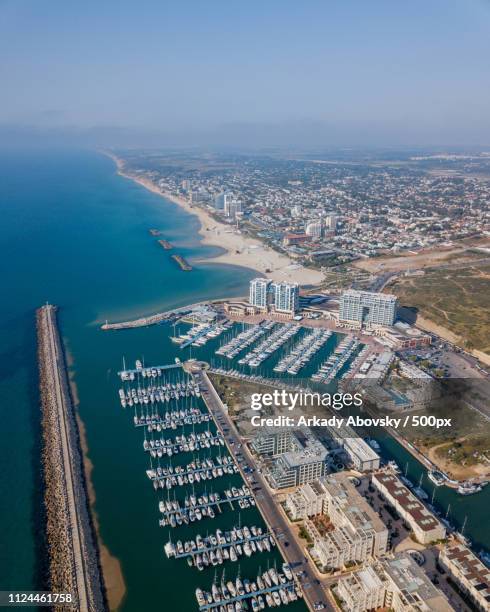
(333, 72)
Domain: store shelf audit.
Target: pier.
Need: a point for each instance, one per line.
(155, 423)
(288, 587)
(204, 505)
(74, 559)
(125, 374)
(191, 548)
(183, 444)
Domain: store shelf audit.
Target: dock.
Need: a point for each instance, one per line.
(288, 586)
(124, 374)
(207, 546)
(183, 444)
(187, 512)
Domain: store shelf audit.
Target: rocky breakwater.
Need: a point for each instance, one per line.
(73, 555)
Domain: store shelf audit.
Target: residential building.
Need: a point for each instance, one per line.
(314, 229)
(259, 293)
(361, 455)
(286, 298)
(425, 527)
(298, 457)
(471, 575)
(221, 201)
(273, 441)
(354, 533)
(396, 583)
(368, 309)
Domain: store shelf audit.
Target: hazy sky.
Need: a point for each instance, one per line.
(346, 71)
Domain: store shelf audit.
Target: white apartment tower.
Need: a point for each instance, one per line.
(368, 308)
(259, 292)
(286, 298)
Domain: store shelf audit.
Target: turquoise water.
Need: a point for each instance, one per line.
(76, 234)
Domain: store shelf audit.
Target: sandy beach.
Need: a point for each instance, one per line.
(240, 250)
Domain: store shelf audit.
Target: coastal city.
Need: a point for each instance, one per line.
(354, 532)
(245, 317)
(328, 211)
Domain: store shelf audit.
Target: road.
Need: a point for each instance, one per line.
(55, 365)
(277, 523)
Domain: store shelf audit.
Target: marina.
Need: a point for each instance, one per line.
(345, 351)
(195, 471)
(182, 444)
(214, 549)
(200, 334)
(151, 393)
(244, 339)
(224, 545)
(270, 345)
(303, 351)
(196, 508)
(274, 587)
(171, 420)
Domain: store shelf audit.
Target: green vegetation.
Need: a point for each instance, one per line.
(305, 535)
(457, 299)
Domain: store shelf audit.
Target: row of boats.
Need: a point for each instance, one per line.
(141, 371)
(303, 351)
(182, 444)
(158, 393)
(330, 368)
(171, 420)
(217, 548)
(196, 471)
(271, 588)
(244, 339)
(196, 508)
(199, 335)
(270, 345)
(359, 362)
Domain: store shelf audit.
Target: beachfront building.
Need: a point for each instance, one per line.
(425, 527)
(286, 298)
(396, 583)
(278, 298)
(471, 575)
(367, 309)
(221, 201)
(342, 525)
(259, 293)
(232, 207)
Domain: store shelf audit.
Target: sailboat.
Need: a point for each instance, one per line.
(419, 492)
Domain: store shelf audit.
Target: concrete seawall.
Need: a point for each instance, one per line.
(73, 555)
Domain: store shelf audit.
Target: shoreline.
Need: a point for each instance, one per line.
(240, 250)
